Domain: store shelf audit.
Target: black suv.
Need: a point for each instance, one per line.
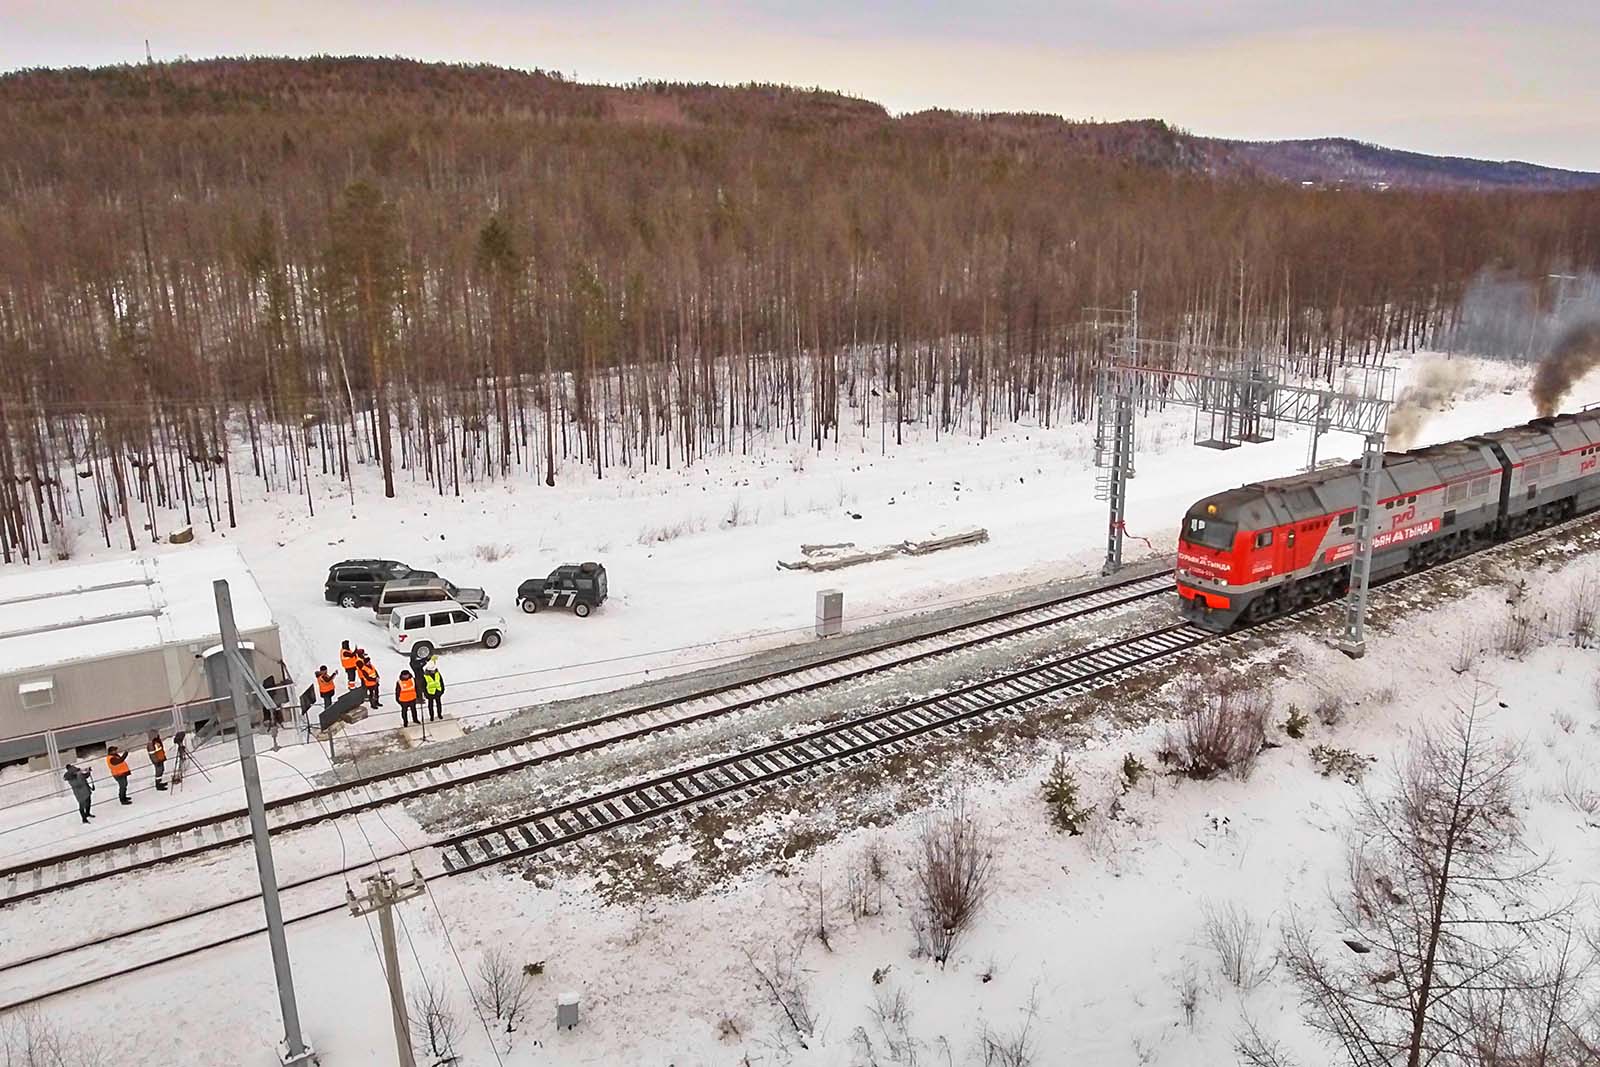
(354, 582)
(579, 586)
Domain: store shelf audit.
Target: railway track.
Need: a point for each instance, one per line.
(196, 837)
(846, 741)
(798, 758)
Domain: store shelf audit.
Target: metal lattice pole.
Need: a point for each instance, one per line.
(1120, 461)
(296, 1052)
(1354, 642)
(1114, 439)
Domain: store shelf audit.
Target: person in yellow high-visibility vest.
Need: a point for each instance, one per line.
(433, 689)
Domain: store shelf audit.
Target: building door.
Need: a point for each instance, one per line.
(220, 705)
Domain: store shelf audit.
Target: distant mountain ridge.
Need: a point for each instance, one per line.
(325, 85)
(1335, 160)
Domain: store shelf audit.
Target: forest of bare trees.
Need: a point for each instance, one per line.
(464, 273)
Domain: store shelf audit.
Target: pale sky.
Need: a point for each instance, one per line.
(1498, 79)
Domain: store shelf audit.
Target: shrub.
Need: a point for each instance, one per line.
(1188, 989)
(433, 1020)
(786, 986)
(1295, 725)
(1351, 766)
(1583, 607)
(952, 870)
(501, 990)
(1060, 790)
(1329, 708)
(493, 552)
(651, 535)
(1517, 635)
(1223, 731)
(1237, 940)
(1132, 771)
(864, 882)
(1255, 1049)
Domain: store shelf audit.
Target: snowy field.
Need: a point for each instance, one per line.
(1086, 942)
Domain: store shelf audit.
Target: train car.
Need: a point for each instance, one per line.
(1251, 553)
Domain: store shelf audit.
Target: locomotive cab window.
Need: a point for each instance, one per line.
(1212, 533)
(1264, 538)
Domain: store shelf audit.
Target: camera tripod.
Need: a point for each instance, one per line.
(186, 759)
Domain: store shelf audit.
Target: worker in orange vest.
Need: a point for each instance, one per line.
(158, 758)
(117, 761)
(325, 686)
(405, 693)
(369, 678)
(349, 661)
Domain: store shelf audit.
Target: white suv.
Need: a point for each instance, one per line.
(417, 630)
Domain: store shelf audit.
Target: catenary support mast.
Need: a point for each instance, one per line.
(296, 1052)
(1354, 642)
(1243, 393)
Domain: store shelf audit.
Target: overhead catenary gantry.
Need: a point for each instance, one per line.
(1239, 396)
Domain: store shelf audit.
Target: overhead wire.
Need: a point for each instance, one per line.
(444, 928)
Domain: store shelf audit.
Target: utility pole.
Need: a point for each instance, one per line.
(383, 893)
(296, 1053)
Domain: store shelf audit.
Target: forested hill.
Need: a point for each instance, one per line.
(357, 86)
(470, 271)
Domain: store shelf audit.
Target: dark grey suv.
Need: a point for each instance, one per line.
(355, 582)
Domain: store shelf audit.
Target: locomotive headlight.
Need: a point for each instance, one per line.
(1211, 509)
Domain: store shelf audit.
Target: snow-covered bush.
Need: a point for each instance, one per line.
(785, 983)
(1583, 609)
(1224, 729)
(433, 1021)
(1133, 771)
(1516, 636)
(1295, 725)
(502, 990)
(1329, 708)
(1468, 649)
(952, 868)
(1351, 766)
(493, 552)
(31, 1039)
(864, 882)
(1236, 938)
(1060, 791)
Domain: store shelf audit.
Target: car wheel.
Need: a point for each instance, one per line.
(422, 650)
(581, 610)
(348, 600)
(491, 639)
(530, 605)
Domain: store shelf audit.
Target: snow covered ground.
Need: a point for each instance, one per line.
(1096, 933)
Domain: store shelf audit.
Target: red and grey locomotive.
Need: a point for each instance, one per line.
(1258, 551)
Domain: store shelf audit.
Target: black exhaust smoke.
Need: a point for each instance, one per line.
(1575, 354)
